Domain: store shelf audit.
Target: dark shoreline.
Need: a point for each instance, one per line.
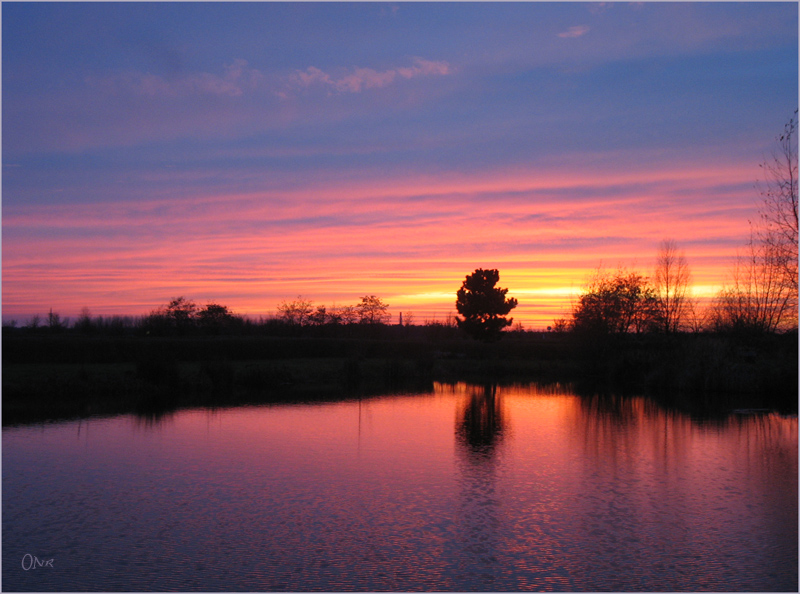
(52, 376)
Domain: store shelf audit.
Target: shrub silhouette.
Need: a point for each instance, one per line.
(617, 303)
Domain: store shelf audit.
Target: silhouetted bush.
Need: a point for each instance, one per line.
(616, 303)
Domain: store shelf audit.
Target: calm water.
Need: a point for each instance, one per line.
(461, 489)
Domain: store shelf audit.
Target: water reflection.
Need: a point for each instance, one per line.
(468, 488)
(152, 419)
(641, 462)
(480, 431)
(481, 423)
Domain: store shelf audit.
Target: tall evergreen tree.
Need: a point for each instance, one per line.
(483, 306)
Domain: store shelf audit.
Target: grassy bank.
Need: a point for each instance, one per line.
(68, 375)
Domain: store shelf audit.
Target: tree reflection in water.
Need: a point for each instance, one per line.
(480, 427)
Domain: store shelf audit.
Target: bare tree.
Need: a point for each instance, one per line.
(758, 297)
(320, 316)
(348, 314)
(333, 315)
(372, 310)
(54, 321)
(671, 282)
(763, 292)
(778, 211)
(297, 311)
(696, 317)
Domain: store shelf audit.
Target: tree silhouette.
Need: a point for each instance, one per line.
(178, 315)
(320, 316)
(372, 310)
(54, 321)
(617, 303)
(215, 317)
(483, 306)
(757, 298)
(181, 310)
(296, 312)
(84, 321)
(481, 422)
(778, 226)
(671, 284)
(762, 295)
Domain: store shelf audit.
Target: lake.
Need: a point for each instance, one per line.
(466, 488)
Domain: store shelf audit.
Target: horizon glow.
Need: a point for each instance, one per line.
(249, 155)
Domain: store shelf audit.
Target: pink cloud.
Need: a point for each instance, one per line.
(310, 76)
(359, 78)
(365, 78)
(576, 31)
(424, 67)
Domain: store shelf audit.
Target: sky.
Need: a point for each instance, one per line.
(250, 153)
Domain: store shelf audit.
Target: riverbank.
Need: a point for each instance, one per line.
(69, 375)
(157, 385)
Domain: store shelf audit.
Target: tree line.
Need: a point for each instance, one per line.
(303, 312)
(182, 315)
(760, 295)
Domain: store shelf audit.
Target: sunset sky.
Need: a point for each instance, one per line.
(247, 153)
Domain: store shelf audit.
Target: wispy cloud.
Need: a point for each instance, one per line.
(236, 79)
(576, 31)
(359, 79)
(239, 78)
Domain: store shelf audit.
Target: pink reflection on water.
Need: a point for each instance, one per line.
(465, 488)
